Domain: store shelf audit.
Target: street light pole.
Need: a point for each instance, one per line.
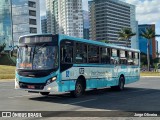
(11, 23)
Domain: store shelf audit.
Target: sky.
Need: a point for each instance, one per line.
(147, 12)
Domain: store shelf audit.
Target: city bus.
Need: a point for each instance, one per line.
(49, 63)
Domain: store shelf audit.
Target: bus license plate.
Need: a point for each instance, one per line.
(31, 86)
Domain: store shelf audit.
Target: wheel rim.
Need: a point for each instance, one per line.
(78, 89)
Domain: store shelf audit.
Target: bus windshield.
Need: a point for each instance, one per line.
(37, 57)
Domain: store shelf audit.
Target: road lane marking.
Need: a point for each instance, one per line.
(73, 103)
(23, 96)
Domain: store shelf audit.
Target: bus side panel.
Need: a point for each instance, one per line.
(95, 77)
(98, 77)
(133, 74)
(68, 85)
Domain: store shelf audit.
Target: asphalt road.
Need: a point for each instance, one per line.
(143, 95)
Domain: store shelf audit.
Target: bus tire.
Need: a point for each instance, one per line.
(79, 89)
(44, 93)
(120, 85)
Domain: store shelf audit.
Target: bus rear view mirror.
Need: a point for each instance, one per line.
(13, 52)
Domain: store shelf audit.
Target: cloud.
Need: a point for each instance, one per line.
(85, 4)
(42, 7)
(147, 11)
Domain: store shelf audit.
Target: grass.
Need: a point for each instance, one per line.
(150, 74)
(7, 72)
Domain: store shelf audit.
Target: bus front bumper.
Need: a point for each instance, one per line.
(52, 87)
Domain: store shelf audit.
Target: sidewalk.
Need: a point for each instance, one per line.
(7, 80)
(150, 76)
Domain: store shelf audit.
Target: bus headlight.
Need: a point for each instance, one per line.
(51, 80)
(54, 78)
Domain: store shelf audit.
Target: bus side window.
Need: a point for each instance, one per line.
(81, 53)
(105, 56)
(115, 56)
(136, 59)
(130, 58)
(66, 54)
(123, 57)
(93, 54)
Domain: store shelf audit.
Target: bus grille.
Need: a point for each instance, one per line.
(39, 86)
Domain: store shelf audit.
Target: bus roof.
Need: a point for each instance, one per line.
(97, 43)
(29, 35)
(62, 36)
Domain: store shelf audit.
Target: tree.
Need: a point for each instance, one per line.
(105, 41)
(2, 46)
(126, 34)
(149, 34)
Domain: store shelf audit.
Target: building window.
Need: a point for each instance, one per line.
(32, 4)
(32, 13)
(33, 30)
(32, 21)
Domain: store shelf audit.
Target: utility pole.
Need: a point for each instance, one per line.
(11, 23)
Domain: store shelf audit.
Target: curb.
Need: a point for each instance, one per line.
(150, 76)
(7, 80)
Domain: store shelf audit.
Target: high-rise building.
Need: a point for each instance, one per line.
(5, 23)
(43, 24)
(25, 18)
(108, 17)
(135, 39)
(65, 17)
(143, 41)
(85, 24)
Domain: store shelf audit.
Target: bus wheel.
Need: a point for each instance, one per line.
(79, 89)
(120, 85)
(44, 93)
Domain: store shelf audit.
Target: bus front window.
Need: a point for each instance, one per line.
(38, 58)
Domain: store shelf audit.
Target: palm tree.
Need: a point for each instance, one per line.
(149, 34)
(126, 34)
(105, 41)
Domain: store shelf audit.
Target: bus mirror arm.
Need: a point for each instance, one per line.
(12, 50)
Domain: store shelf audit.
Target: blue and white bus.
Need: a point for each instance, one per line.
(59, 63)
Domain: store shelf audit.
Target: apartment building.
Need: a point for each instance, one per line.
(25, 18)
(65, 17)
(108, 17)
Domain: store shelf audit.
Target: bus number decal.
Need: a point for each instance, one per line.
(81, 70)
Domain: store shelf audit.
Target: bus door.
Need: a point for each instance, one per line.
(66, 61)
